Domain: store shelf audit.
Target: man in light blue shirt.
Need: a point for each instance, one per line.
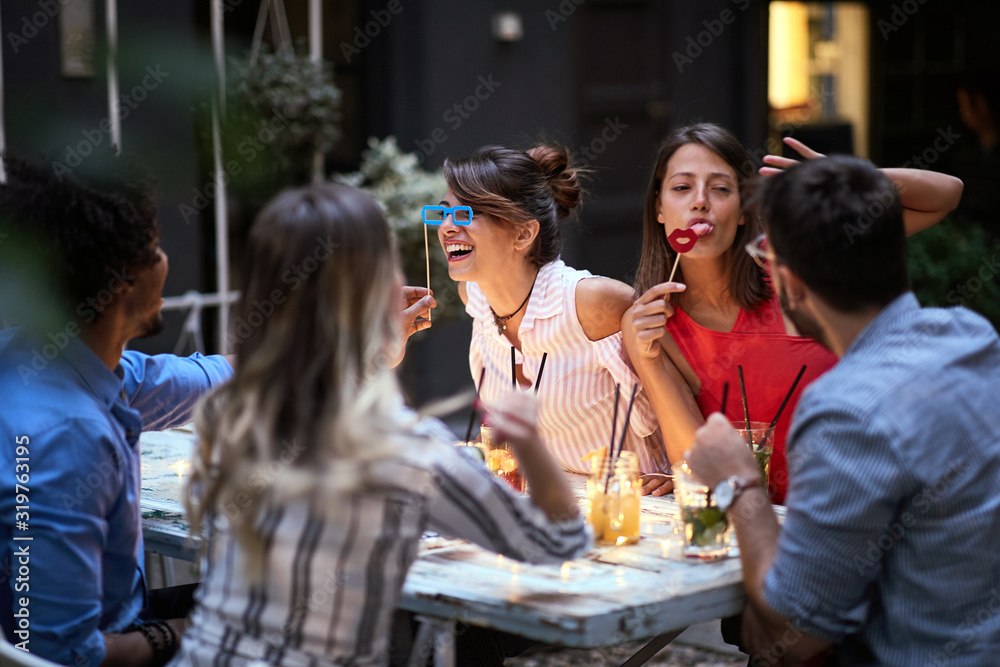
(888, 551)
(72, 405)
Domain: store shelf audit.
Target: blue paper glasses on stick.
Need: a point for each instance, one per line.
(435, 215)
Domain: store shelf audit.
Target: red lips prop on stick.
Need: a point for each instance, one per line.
(682, 241)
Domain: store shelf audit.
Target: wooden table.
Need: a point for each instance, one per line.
(610, 596)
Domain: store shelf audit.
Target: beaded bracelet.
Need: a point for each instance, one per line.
(153, 639)
(163, 640)
(169, 637)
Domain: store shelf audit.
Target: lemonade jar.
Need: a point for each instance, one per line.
(614, 502)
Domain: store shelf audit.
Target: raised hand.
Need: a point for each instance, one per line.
(650, 313)
(514, 418)
(719, 452)
(779, 163)
(418, 301)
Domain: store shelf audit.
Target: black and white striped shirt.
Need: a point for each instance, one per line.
(333, 575)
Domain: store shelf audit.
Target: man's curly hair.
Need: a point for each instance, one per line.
(91, 225)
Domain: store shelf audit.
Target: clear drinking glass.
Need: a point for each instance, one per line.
(760, 439)
(705, 526)
(501, 461)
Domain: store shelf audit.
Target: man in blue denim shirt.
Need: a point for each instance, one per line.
(72, 405)
(889, 549)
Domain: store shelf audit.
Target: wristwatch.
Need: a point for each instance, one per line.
(728, 490)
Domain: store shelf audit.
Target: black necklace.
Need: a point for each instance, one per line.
(501, 320)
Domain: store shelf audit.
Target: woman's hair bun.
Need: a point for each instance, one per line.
(563, 179)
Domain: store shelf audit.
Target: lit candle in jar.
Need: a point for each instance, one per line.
(181, 466)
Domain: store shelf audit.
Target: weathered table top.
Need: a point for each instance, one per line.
(611, 595)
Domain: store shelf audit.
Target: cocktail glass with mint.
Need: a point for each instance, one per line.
(760, 439)
(705, 526)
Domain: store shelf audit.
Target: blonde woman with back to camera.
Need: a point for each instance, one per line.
(315, 482)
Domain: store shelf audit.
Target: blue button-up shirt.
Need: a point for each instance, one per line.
(70, 428)
(890, 543)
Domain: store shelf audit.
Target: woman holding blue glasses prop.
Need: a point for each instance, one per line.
(688, 338)
(498, 225)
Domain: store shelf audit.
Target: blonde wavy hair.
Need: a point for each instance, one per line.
(313, 402)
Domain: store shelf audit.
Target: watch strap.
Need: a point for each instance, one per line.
(741, 484)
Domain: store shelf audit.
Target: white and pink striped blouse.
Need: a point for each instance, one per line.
(577, 392)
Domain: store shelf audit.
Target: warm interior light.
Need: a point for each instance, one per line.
(818, 66)
(788, 55)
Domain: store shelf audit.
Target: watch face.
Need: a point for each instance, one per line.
(724, 495)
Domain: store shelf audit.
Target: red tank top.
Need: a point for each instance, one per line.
(770, 358)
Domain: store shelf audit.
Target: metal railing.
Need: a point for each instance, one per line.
(191, 330)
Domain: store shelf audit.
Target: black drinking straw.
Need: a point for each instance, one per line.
(541, 369)
(725, 398)
(513, 367)
(746, 410)
(472, 417)
(784, 402)
(611, 445)
(621, 443)
(628, 415)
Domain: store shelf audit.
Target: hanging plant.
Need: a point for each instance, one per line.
(281, 108)
(289, 90)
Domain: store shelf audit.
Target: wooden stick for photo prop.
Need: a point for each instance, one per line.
(746, 410)
(513, 367)
(781, 407)
(681, 241)
(472, 417)
(427, 255)
(541, 369)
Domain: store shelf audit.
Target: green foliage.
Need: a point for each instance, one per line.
(32, 295)
(396, 180)
(280, 109)
(953, 264)
(301, 91)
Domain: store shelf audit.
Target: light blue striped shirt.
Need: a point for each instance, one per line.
(890, 546)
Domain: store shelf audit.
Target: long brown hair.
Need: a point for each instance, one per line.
(513, 187)
(312, 402)
(747, 285)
